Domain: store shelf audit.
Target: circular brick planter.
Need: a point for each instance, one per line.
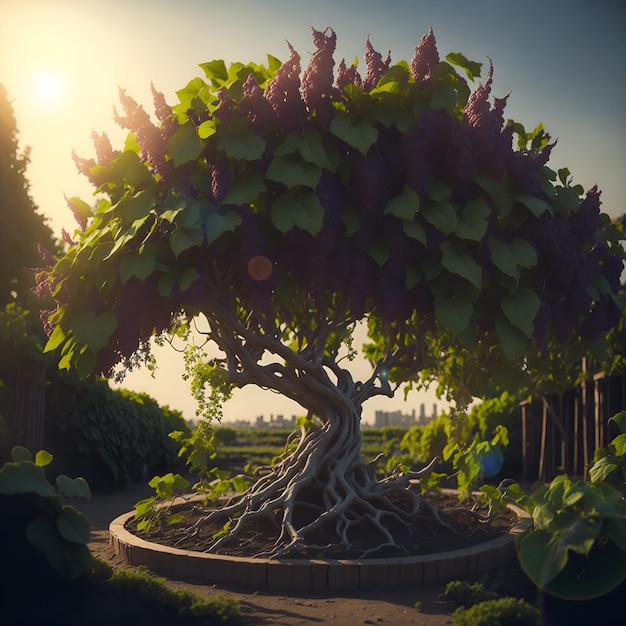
(316, 574)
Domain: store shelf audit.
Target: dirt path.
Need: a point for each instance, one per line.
(265, 608)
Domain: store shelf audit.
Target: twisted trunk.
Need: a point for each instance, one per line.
(324, 498)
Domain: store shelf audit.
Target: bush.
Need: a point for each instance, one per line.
(112, 437)
(41, 538)
(459, 593)
(187, 604)
(500, 612)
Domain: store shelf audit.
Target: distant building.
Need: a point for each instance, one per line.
(406, 420)
(279, 422)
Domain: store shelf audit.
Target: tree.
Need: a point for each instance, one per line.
(22, 228)
(279, 208)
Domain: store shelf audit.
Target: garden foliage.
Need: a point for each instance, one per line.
(34, 512)
(275, 207)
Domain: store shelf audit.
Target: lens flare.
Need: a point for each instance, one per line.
(260, 267)
(491, 462)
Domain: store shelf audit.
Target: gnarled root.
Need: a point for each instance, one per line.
(324, 499)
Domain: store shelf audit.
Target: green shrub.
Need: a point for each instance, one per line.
(460, 593)
(577, 545)
(500, 612)
(37, 530)
(145, 584)
(113, 437)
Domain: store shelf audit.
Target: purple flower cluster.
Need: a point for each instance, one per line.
(318, 90)
(151, 139)
(425, 60)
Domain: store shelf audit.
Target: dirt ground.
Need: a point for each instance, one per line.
(265, 608)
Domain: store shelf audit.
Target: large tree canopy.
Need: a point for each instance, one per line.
(284, 206)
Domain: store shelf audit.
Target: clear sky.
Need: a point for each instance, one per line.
(564, 62)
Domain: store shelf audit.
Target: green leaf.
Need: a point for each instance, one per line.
(80, 206)
(564, 175)
(184, 238)
(298, 209)
(580, 536)
(461, 263)
(206, 129)
(187, 278)
(217, 224)
(247, 147)
(73, 487)
(442, 215)
(144, 507)
(25, 477)
(312, 150)
(69, 558)
(521, 309)
(215, 70)
(273, 64)
(351, 220)
(404, 206)
(138, 265)
(245, 191)
(129, 168)
(360, 136)
(239, 484)
(414, 230)
(474, 224)
(43, 458)
(137, 207)
(57, 337)
(499, 191)
(567, 199)
(620, 420)
(534, 205)
(513, 341)
(20, 453)
(289, 145)
(184, 145)
(540, 558)
(93, 330)
(619, 443)
(379, 251)
(445, 96)
(73, 525)
(603, 468)
(166, 284)
(438, 190)
(472, 69)
(509, 258)
(413, 277)
(455, 314)
(293, 172)
(615, 530)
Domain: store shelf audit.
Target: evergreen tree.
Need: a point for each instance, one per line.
(22, 227)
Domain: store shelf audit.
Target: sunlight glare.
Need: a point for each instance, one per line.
(49, 88)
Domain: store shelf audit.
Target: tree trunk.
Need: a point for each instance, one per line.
(323, 498)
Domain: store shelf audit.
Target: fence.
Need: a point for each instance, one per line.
(561, 433)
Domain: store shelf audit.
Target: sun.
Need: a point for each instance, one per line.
(49, 88)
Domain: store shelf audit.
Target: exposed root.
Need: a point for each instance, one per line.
(323, 499)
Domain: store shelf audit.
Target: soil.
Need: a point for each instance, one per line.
(258, 538)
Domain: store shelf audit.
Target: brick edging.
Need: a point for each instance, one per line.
(316, 574)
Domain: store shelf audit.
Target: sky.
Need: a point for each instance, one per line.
(62, 62)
